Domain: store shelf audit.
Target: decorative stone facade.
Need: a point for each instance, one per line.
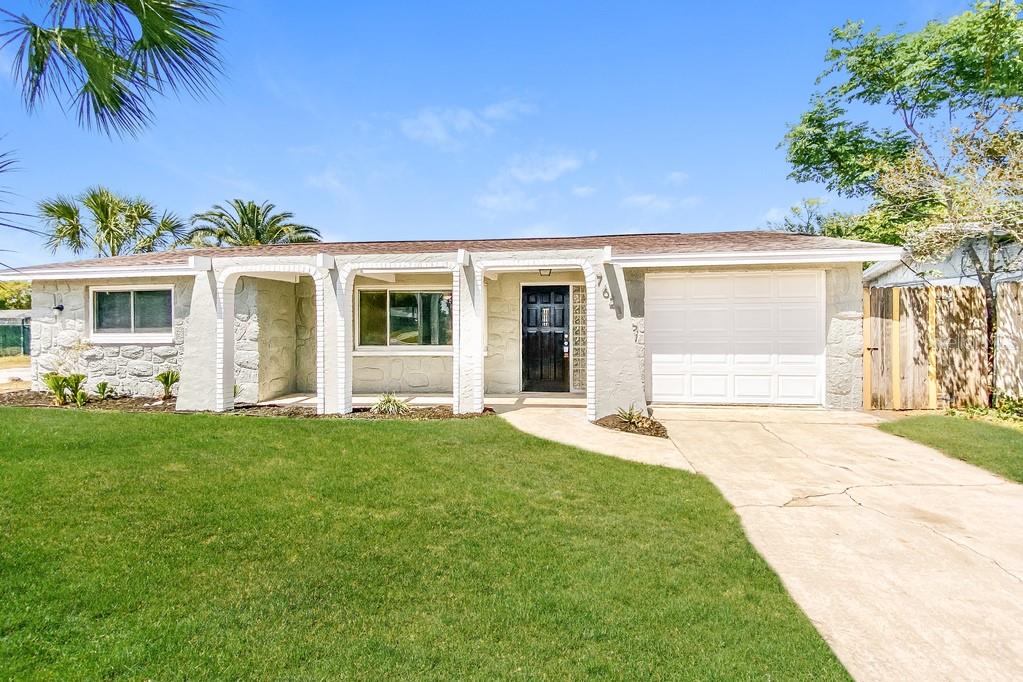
(844, 337)
(275, 339)
(503, 361)
(61, 342)
(402, 374)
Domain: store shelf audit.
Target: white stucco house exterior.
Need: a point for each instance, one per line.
(709, 318)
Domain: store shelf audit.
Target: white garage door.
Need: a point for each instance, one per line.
(754, 338)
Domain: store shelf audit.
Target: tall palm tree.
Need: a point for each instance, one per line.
(108, 58)
(117, 225)
(247, 223)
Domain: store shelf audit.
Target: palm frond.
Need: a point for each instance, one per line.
(108, 59)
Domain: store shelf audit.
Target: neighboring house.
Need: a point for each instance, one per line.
(950, 272)
(729, 317)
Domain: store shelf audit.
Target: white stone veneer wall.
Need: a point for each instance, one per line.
(408, 374)
(502, 366)
(60, 340)
(267, 332)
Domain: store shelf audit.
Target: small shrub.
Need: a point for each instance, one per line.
(391, 404)
(103, 390)
(1008, 407)
(81, 397)
(75, 383)
(57, 384)
(631, 416)
(167, 380)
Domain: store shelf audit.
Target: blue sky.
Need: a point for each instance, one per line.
(451, 120)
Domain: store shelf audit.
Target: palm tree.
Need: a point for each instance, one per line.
(247, 223)
(118, 225)
(108, 58)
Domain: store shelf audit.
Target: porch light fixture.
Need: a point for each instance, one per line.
(545, 272)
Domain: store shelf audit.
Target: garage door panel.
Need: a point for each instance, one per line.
(736, 337)
(754, 287)
(709, 387)
(752, 319)
(753, 388)
(797, 389)
(704, 320)
(799, 318)
(797, 285)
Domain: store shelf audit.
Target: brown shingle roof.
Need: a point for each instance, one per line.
(621, 244)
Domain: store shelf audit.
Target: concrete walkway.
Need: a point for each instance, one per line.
(909, 563)
(568, 425)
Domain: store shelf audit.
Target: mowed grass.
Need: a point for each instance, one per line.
(998, 449)
(201, 546)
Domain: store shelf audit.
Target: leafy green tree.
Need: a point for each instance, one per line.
(109, 58)
(104, 223)
(15, 296)
(940, 159)
(246, 223)
(917, 85)
(810, 217)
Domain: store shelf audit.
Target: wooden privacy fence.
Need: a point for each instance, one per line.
(924, 347)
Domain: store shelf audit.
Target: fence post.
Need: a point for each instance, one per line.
(932, 349)
(868, 367)
(896, 355)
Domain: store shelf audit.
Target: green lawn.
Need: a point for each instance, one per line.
(172, 546)
(995, 448)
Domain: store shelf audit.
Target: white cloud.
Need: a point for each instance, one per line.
(503, 199)
(445, 127)
(658, 203)
(583, 191)
(508, 110)
(540, 168)
(677, 178)
(505, 192)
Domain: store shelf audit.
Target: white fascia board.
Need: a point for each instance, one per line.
(880, 268)
(97, 273)
(818, 256)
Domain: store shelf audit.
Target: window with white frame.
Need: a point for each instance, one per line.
(401, 317)
(137, 311)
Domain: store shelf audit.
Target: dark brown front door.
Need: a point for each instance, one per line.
(545, 338)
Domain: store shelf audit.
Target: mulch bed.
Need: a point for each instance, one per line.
(302, 412)
(126, 404)
(646, 426)
(120, 404)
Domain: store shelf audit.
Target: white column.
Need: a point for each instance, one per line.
(345, 279)
(225, 344)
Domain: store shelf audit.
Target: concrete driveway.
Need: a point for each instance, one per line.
(909, 563)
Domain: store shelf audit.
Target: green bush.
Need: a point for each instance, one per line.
(167, 380)
(81, 397)
(103, 390)
(391, 404)
(57, 384)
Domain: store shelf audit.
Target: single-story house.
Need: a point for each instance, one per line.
(709, 318)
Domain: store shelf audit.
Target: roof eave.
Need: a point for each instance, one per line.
(785, 257)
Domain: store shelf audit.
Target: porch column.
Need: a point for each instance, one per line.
(225, 344)
(199, 375)
(328, 322)
(473, 342)
(343, 349)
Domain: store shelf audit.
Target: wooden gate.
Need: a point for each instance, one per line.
(924, 348)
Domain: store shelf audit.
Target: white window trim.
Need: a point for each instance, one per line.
(98, 337)
(388, 349)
